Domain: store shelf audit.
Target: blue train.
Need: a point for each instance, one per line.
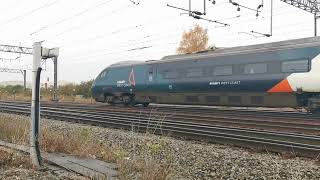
(280, 74)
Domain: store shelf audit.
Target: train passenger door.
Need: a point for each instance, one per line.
(150, 76)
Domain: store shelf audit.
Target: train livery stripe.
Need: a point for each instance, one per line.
(283, 86)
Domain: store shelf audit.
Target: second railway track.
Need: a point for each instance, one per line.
(292, 132)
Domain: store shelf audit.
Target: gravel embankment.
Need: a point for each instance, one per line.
(13, 173)
(196, 160)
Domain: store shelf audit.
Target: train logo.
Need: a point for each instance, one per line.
(132, 80)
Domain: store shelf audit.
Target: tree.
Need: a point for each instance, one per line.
(84, 88)
(194, 41)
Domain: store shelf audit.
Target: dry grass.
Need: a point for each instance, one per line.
(76, 99)
(12, 159)
(80, 142)
(16, 97)
(21, 97)
(144, 169)
(13, 129)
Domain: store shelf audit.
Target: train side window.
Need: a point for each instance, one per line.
(169, 74)
(257, 68)
(194, 72)
(295, 66)
(222, 70)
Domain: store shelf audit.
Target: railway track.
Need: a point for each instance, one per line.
(275, 131)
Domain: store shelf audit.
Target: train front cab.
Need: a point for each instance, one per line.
(306, 85)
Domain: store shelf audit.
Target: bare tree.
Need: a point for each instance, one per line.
(194, 41)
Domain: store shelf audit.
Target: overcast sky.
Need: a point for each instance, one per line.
(93, 34)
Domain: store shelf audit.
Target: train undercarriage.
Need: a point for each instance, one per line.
(126, 100)
(310, 102)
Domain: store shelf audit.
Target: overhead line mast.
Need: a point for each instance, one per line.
(17, 71)
(27, 50)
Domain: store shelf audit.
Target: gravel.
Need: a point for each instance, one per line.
(26, 174)
(16, 165)
(199, 160)
(194, 159)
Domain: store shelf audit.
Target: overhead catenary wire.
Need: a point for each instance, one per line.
(95, 21)
(96, 54)
(101, 36)
(129, 45)
(135, 26)
(120, 52)
(27, 13)
(153, 39)
(116, 33)
(102, 51)
(143, 29)
(70, 17)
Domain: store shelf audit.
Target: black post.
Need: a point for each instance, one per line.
(55, 79)
(315, 24)
(35, 113)
(25, 80)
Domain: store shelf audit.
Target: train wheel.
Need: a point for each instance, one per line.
(145, 104)
(314, 105)
(129, 101)
(110, 100)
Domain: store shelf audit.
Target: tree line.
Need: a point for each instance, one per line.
(83, 89)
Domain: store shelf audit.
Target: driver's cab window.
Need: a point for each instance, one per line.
(103, 75)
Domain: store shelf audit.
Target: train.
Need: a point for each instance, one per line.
(277, 74)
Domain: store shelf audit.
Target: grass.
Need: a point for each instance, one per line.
(154, 163)
(12, 159)
(21, 97)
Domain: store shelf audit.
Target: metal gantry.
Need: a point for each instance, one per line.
(27, 50)
(311, 6)
(18, 71)
(7, 70)
(16, 49)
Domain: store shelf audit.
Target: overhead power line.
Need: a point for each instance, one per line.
(197, 15)
(71, 17)
(209, 20)
(92, 21)
(246, 7)
(115, 32)
(28, 13)
(139, 48)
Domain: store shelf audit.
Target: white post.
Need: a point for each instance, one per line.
(35, 114)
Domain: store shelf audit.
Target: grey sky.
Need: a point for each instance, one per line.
(93, 34)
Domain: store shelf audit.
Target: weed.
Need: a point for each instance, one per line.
(149, 166)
